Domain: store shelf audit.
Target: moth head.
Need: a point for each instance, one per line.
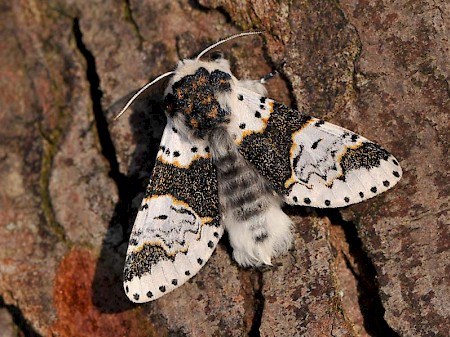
(195, 90)
(194, 95)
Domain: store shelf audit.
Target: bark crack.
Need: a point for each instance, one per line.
(365, 274)
(21, 323)
(259, 301)
(124, 187)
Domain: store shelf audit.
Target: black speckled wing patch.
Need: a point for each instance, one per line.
(178, 224)
(308, 161)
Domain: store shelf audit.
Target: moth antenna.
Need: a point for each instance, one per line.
(225, 40)
(140, 91)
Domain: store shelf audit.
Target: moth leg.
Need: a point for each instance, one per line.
(272, 74)
(257, 86)
(269, 76)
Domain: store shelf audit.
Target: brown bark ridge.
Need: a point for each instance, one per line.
(72, 178)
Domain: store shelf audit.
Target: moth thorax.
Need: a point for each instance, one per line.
(193, 101)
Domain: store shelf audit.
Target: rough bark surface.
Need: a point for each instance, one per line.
(72, 178)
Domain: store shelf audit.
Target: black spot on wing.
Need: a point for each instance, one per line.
(182, 211)
(319, 123)
(316, 143)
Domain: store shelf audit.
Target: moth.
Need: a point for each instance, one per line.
(229, 158)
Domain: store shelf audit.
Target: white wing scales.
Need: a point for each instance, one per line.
(170, 240)
(334, 167)
(322, 164)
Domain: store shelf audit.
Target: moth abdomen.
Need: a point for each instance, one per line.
(239, 183)
(249, 208)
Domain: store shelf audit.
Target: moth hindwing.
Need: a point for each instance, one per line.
(229, 158)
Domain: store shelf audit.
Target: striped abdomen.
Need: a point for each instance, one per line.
(251, 212)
